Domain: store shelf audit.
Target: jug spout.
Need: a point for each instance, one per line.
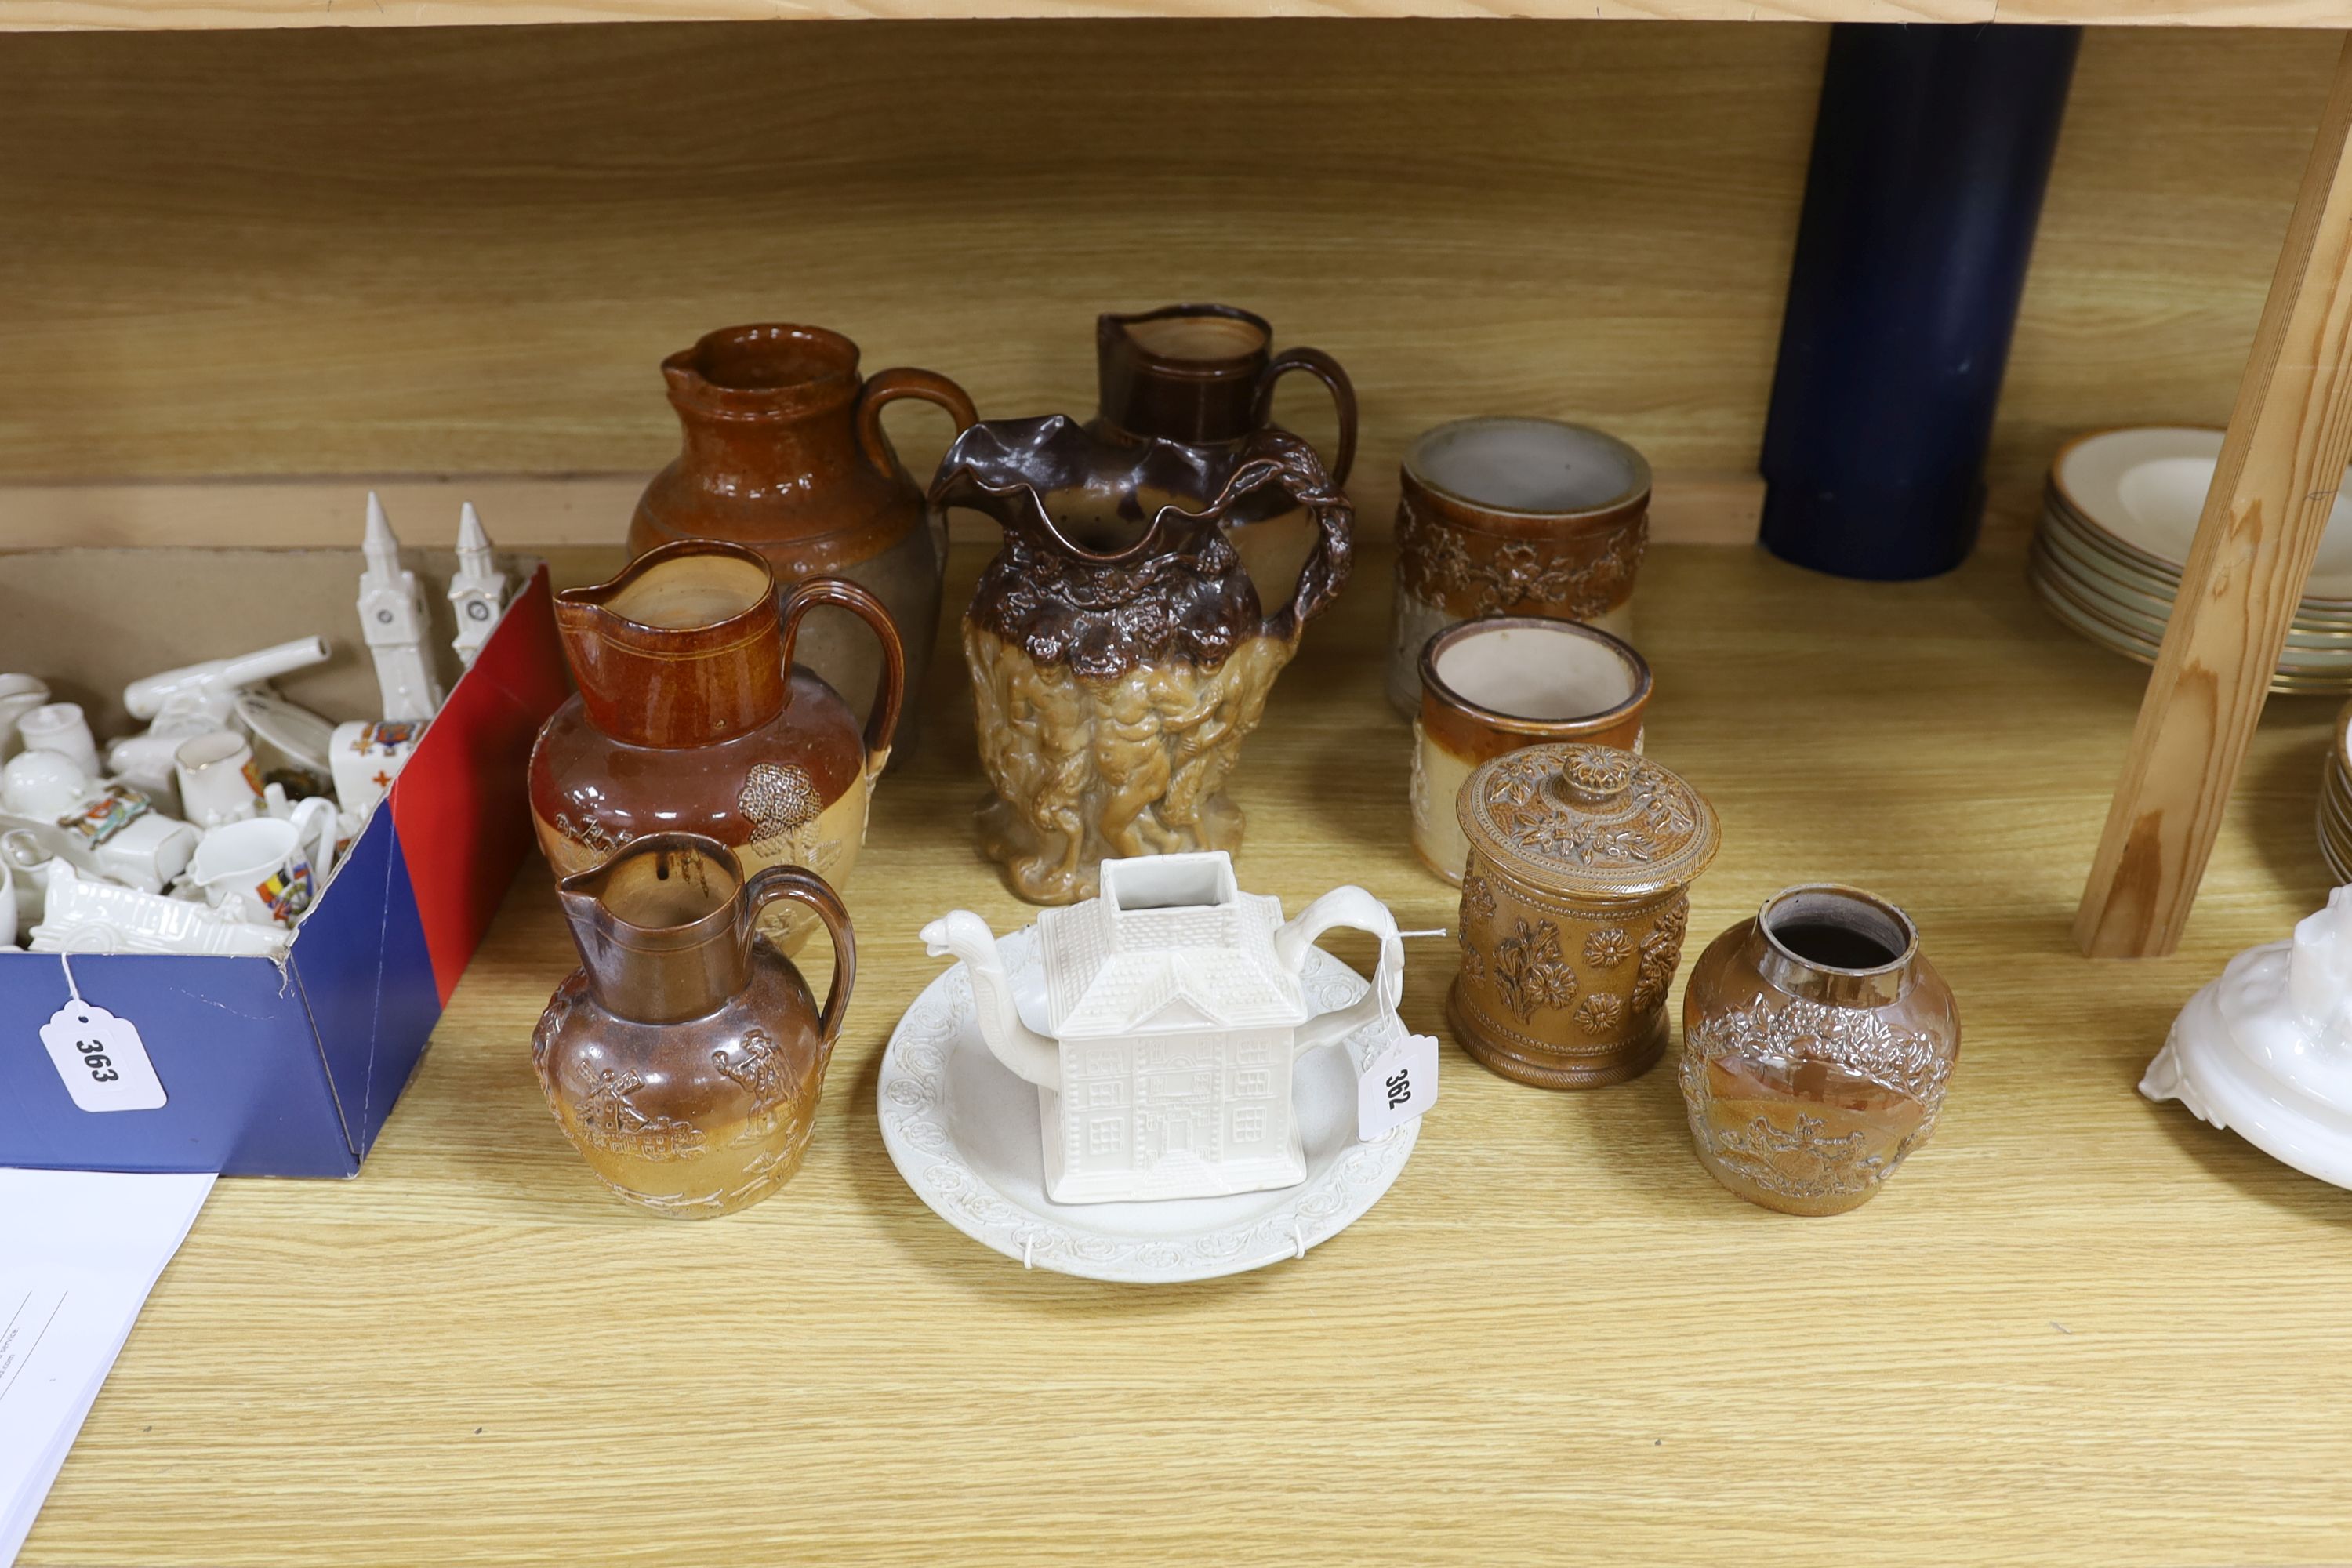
(1031, 1055)
(683, 649)
(659, 930)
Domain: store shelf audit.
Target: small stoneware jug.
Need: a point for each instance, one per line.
(1202, 378)
(1118, 653)
(692, 717)
(1817, 1044)
(685, 1056)
(785, 451)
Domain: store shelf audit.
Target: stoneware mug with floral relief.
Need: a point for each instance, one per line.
(1501, 682)
(1514, 517)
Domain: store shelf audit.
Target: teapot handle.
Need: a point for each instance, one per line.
(1325, 369)
(890, 687)
(1358, 909)
(803, 886)
(886, 386)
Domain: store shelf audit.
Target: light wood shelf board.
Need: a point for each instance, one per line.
(2077, 1328)
(530, 511)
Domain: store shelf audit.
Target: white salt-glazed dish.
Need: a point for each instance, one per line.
(963, 1132)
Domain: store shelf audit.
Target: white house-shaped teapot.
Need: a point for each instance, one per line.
(1174, 1013)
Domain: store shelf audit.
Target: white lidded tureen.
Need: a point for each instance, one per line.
(1171, 1015)
(2265, 1051)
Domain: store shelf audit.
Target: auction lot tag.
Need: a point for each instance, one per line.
(1399, 1084)
(100, 1056)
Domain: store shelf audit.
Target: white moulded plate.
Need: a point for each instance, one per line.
(963, 1132)
(2143, 488)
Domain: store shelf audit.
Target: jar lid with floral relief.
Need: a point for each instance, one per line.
(1591, 823)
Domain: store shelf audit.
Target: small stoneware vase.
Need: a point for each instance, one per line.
(1204, 377)
(1119, 655)
(1514, 517)
(1574, 908)
(1817, 1044)
(785, 451)
(684, 1056)
(692, 717)
(1496, 684)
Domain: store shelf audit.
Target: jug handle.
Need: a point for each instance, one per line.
(1344, 907)
(1325, 369)
(886, 386)
(890, 687)
(803, 886)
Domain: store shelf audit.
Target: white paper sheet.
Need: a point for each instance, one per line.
(78, 1252)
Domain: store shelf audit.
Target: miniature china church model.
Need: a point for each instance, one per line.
(393, 619)
(1174, 1011)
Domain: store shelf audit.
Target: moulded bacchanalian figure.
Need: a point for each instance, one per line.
(1118, 652)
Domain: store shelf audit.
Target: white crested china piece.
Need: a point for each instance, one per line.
(1173, 1012)
(81, 915)
(299, 735)
(964, 1131)
(2265, 1051)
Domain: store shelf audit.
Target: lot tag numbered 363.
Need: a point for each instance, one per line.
(100, 1056)
(1399, 1084)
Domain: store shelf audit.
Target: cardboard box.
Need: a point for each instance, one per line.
(271, 1070)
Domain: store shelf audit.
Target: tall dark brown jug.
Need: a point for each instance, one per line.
(1202, 377)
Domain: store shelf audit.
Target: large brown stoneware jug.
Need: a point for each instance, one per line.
(785, 451)
(684, 1056)
(692, 717)
(1118, 654)
(1202, 378)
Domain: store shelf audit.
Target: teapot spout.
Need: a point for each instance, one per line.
(1029, 1054)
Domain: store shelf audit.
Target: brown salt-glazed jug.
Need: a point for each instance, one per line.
(692, 717)
(1119, 655)
(1817, 1045)
(785, 451)
(684, 1056)
(1202, 377)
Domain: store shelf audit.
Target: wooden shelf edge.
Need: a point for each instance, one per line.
(135, 16)
(530, 511)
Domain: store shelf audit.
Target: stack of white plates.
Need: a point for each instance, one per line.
(2116, 521)
(2336, 801)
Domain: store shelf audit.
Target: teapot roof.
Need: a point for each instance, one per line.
(1111, 972)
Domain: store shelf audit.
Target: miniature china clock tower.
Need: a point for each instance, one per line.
(479, 592)
(392, 615)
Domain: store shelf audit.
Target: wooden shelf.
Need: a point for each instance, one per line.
(2076, 1327)
(134, 14)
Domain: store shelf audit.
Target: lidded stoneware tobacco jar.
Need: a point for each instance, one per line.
(692, 717)
(685, 1056)
(1514, 517)
(1202, 377)
(1574, 903)
(1817, 1045)
(1120, 654)
(785, 451)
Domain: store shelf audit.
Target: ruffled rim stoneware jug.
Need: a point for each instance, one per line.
(685, 1056)
(692, 716)
(783, 450)
(1120, 654)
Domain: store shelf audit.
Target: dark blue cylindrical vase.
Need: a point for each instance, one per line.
(1930, 155)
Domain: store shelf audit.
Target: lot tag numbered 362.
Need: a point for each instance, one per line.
(100, 1056)
(1399, 1084)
